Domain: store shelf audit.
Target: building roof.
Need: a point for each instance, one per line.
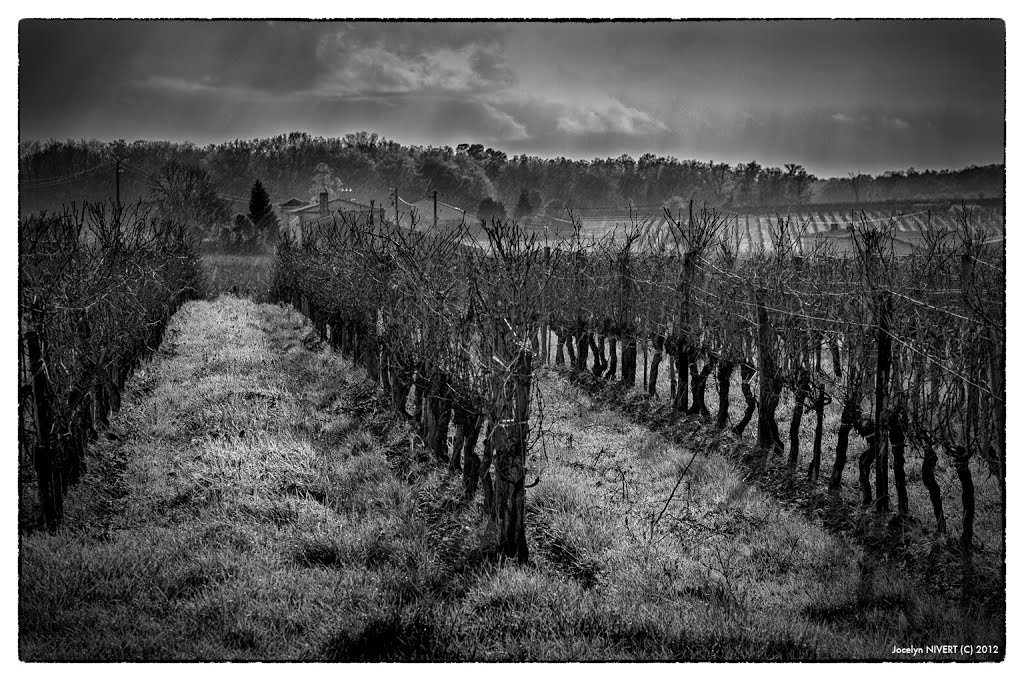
(292, 202)
(332, 205)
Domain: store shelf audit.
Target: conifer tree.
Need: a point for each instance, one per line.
(261, 212)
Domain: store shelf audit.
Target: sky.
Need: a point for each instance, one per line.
(833, 96)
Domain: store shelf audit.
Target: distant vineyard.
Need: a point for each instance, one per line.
(911, 348)
(806, 226)
(98, 287)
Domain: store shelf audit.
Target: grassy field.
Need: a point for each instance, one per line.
(253, 500)
(246, 276)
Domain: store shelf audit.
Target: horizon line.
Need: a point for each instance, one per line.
(383, 138)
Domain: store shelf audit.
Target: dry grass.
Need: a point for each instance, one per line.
(256, 504)
(246, 276)
(759, 566)
(988, 525)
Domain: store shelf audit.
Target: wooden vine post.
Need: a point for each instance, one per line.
(897, 438)
(961, 463)
(724, 375)
(509, 439)
(934, 492)
(883, 369)
(962, 453)
(682, 337)
(746, 373)
(652, 380)
(624, 323)
(997, 370)
(821, 400)
(545, 327)
(48, 474)
(768, 378)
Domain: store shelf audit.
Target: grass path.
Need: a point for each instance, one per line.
(253, 501)
(194, 540)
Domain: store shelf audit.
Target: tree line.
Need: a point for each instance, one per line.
(467, 175)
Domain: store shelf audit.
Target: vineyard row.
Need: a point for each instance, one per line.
(99, 285)
(911, 347)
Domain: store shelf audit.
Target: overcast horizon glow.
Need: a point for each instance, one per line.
(834, 96)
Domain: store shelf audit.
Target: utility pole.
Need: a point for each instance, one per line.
(117, 182)
(435, 211)
(395, 199)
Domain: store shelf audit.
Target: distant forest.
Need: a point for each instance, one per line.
(298, 165)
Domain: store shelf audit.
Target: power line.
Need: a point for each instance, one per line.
(54, 181)
(137, 173)
(137, 168)
(149, 175)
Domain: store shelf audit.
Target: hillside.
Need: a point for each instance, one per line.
(299, 165)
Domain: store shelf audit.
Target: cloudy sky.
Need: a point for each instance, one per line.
(833, 96)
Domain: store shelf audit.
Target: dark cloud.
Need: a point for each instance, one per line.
(603, 126)
(400, 59)
(73, 71)
(412, 38)
(902, 62)
(864, 94)
(68, 66)
(247, 54)
(272, 57)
